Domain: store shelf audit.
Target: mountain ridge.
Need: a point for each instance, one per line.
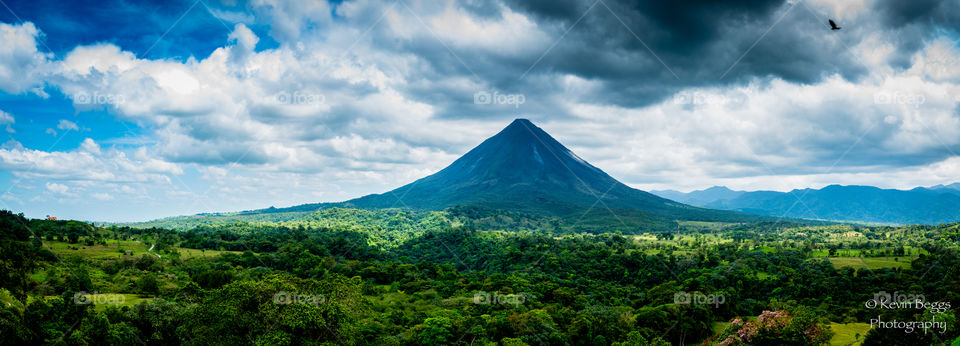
(699, 197)
(921, 205)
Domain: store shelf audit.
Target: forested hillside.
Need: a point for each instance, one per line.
(388, 277)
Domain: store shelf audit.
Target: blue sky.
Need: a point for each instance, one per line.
(133, 110)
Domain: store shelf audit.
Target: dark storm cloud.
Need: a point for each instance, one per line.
(642, 52)
(659, 48)
(898, 13)
(699, 41)
(482, 8)
(563, 10)
(686, 26)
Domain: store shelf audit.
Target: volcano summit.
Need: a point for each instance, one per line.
(522, 168)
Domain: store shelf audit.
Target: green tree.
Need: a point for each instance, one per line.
(435, 331)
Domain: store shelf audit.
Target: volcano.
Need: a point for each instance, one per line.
(522, 168)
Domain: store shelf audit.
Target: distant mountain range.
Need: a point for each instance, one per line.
(523, 168)
(921, 205)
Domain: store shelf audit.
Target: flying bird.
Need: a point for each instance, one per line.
(833, 25)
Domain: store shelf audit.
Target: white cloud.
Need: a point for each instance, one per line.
(246, 42)
(67, 125)
(21, 63)
(290, 19)
(100, 58)
(57, 188)
(100, 196)
(511, 35)
(939, 61)
(87, 163)
(90, 146)
(8, 196)
(231, 16)
(8, 120)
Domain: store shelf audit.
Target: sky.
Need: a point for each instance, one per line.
(124, 110)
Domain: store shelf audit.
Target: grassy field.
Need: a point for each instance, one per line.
(112, 250)
(713, 226)
(103, 300)
(845, 334)
(109, 251)
(196, 253)
(871, 262)
(688, 240)
(911, 252)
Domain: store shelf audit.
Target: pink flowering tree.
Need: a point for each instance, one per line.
(776, 328)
